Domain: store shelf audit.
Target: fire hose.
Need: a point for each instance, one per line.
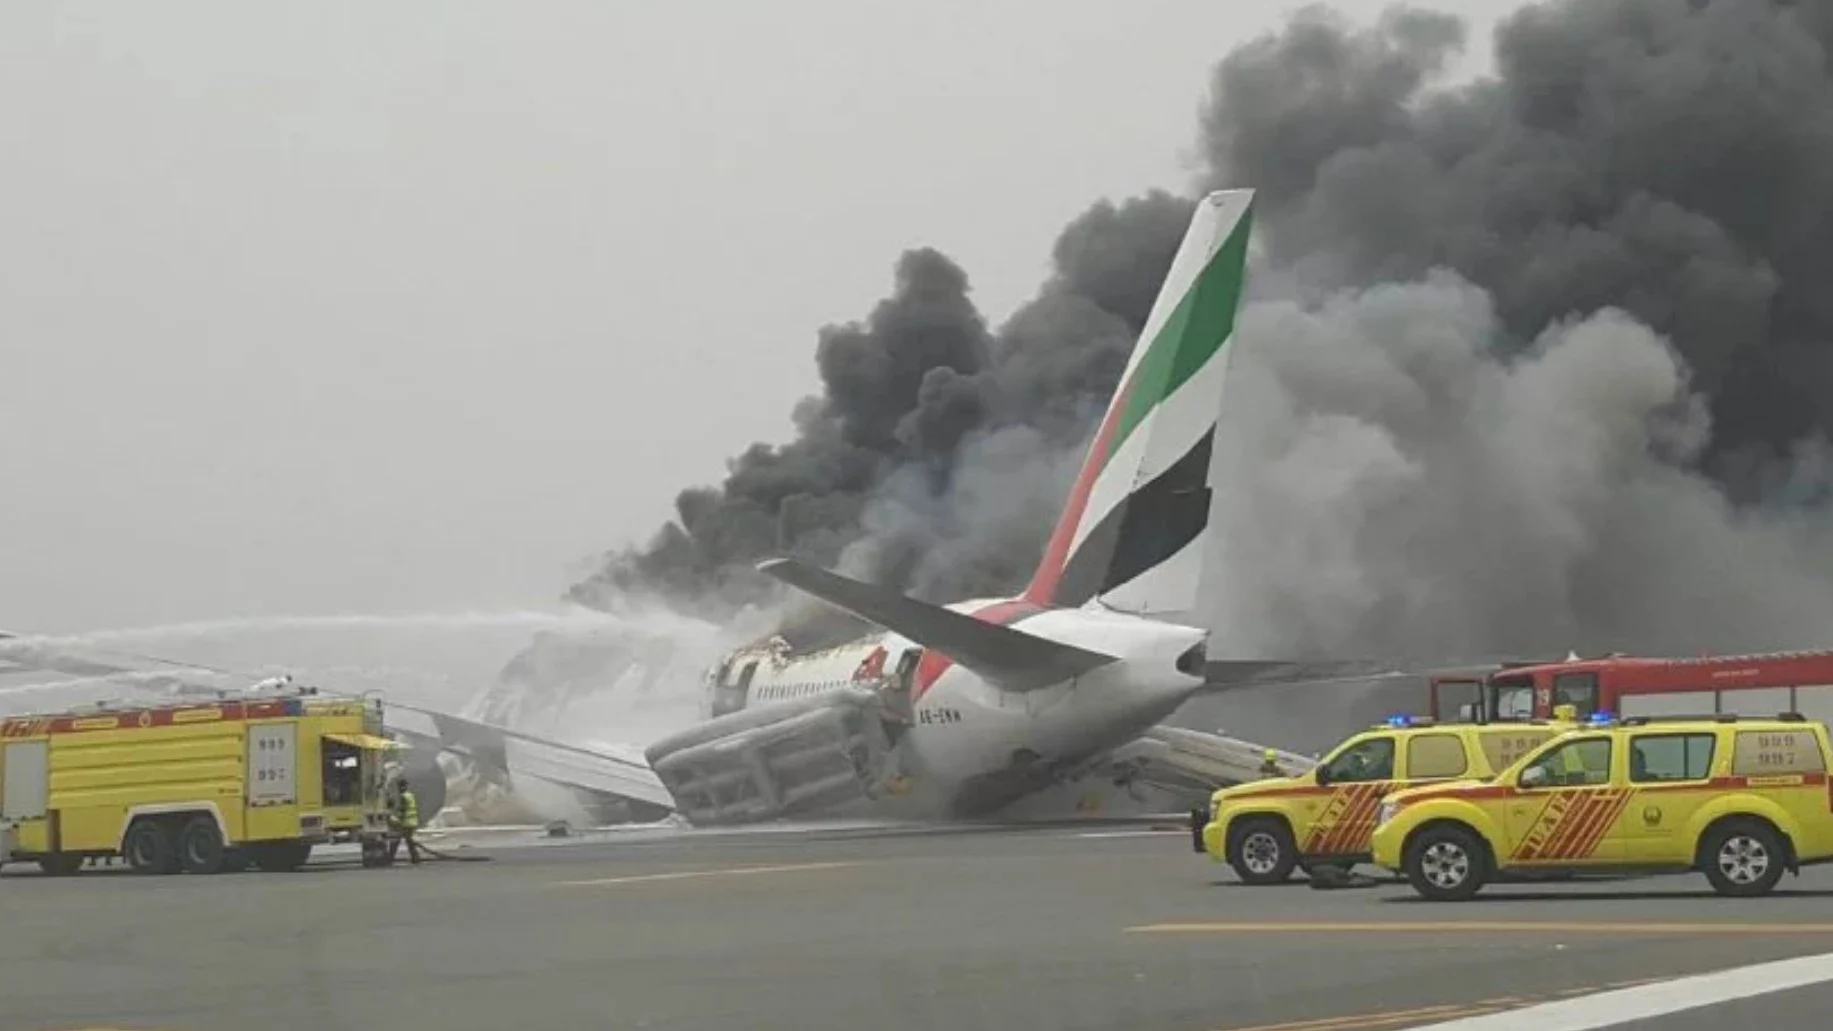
(447, 856)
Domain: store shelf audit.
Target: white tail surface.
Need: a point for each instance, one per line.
(1134, 531)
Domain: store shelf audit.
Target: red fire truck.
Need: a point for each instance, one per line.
(1746, 685)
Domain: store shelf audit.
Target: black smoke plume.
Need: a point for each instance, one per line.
(1539, 361)
(937, 447)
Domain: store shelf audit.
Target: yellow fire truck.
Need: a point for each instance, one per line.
(197, 788)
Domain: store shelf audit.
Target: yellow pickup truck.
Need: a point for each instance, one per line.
(1266, 828)
(1740, 800)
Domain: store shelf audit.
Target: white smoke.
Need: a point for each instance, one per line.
(1401, 491)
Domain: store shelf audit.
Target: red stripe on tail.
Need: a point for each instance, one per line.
(1043, 587)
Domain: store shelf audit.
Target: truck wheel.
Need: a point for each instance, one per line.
(200, 846)
(1742, 858)
(150, 849)
(1446, 864)
(60, 864)
(1261, 850)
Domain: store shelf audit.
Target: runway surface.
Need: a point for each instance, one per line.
(858, 928)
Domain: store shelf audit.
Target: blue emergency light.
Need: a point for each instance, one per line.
(1601, 717)
(1400, 720)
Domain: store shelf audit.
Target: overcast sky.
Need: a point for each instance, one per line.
(345, 307)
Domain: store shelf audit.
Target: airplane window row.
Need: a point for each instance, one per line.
(799, 690)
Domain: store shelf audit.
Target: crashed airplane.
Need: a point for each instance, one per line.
(961, 710)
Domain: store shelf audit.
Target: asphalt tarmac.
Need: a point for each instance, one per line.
(1047, 928)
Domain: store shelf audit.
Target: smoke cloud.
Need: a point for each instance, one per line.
(1537, 362)
(939, 449)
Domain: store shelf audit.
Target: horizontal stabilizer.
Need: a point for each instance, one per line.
(1227, 674)
(1009, 659)
(1223, 674)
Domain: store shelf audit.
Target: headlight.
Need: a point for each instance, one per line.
(1386, 813)
(1214, 804)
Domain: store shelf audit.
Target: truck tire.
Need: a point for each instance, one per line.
(1742, 857)
(1261, 850)
(200, 846)
(1446, 863)
(149, 848)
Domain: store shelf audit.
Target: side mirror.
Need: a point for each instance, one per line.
(1534, 777)
(1323, 776)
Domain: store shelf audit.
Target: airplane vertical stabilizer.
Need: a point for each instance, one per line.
(1133, 532)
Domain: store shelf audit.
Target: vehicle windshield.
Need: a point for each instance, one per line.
(1511, 697)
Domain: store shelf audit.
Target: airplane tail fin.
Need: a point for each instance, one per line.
(1132, 533)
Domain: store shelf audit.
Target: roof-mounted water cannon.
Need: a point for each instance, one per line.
(272, 685)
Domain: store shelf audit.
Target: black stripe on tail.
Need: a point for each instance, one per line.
(1149, 526)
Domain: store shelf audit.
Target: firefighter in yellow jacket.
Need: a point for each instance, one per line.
(1269, 764)
(406, 820)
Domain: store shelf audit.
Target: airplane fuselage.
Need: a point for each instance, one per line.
(963, 746)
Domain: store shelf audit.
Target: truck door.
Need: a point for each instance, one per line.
(1564, 807)
(1458, 699)
(1663, 765)
(1356, 779)
(25, 795)
(1511, 697)
(1579, 690)
(24, 787)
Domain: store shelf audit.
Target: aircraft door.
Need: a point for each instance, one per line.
(731, 699)
(903, 683)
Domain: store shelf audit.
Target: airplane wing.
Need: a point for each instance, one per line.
(1011, 659)
(1187, 760)
(522, 754)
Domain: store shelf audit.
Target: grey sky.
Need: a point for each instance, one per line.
(341, 307)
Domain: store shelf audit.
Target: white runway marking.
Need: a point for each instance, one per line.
(1607, 1009)
(1125, 834)
(676, 875)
